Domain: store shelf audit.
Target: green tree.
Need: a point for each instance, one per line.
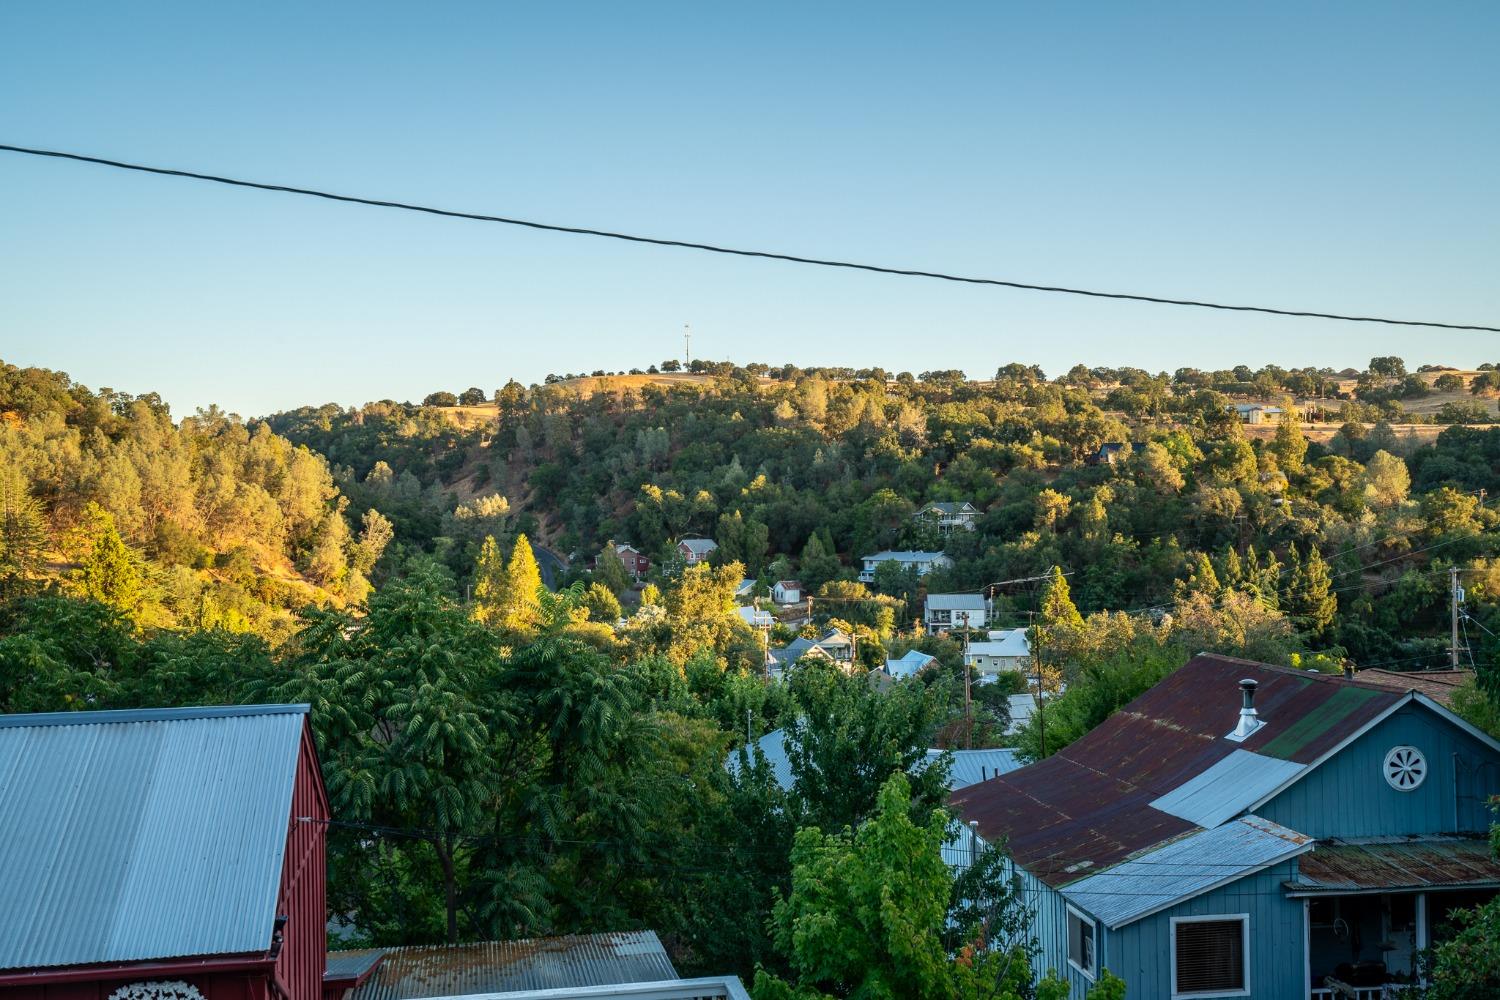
(23, 532)
(1290, 444)
(518, 609)
(610, 571)
(489, 581)
(1309, 597)
(111, 573)
(818, 564)
(601, 603)
(868, 917)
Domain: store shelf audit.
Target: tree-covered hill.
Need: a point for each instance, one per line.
(202, 523)
(799, 472)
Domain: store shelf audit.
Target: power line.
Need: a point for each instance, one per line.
(713, 248)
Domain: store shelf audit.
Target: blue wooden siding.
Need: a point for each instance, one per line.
(1348, 796)
(1049, 927)
(1141, 953)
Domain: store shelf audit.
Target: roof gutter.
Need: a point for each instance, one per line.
(253, 962)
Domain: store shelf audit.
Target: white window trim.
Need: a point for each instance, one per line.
(1090, 975)
(1244, 919)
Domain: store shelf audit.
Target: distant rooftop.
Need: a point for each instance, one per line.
(570, 962)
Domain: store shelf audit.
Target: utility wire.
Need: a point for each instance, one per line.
(713, 248)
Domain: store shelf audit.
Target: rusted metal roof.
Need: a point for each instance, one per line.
(1406, 863)
(1438, 685)
(1184, 868)
(502, 966)
(144, 834)
(1090, 805)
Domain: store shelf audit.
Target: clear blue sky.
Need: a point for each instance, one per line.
(1343, 157)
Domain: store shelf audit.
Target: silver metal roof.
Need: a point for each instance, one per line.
(1185, 868)
(973, 766)
(956, 602)
(1228, 788)
(150, 834)
(489, 967)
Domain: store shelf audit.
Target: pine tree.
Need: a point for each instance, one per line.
(1203, 579)
(1058, 608)
(23, 532)
(1309, 596)
(1290, 444)
(489, 580)
(111, 574)
(1231, 569)
(519, 608)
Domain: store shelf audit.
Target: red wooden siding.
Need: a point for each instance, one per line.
(303, 897)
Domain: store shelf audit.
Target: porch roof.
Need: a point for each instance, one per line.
(1337, 867)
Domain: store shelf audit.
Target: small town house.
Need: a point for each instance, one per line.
(1005, 650)
(786, 592)
(949, 516)
(945, 612)
(1243, 830)
(696, 550)
(922, 562)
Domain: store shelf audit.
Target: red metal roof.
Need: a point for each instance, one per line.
(1088, 806)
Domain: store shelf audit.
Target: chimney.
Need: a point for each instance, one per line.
(1249, 721)
(1348, 670)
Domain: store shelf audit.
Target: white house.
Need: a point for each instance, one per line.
(909, 664)
(696, 550)
(786, 592)
(949, 611)
(950, 516)
(925, 562)
(1006, 649)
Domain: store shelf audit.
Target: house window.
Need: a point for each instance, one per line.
(1208, 956)
(1081, 942)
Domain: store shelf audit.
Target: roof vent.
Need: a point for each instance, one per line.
(1249, 720)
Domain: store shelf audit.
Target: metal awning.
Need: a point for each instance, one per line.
(1408, 864)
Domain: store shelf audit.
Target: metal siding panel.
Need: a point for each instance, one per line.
(1348, 797)
(1227, 789)
(1141, 952)
(143, 835)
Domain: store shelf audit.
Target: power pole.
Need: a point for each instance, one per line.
(968, 702)
(1455, 597)
(687, 346)
(1036, 660)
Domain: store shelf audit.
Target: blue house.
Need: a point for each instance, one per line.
(1242, 830)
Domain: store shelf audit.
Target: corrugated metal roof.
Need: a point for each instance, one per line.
(503, 966)
(1438, 685)
(969, 766)
(1185, 868)
(956, 602)
(151, 834)
(1407, 863)
(1090, 804)
(973, 766)
(351, 964)
(1228, 788)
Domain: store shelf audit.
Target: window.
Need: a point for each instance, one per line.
(1080, 942)
(1208, 956)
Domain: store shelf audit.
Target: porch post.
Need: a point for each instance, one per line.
(1422, 930)
(1307, 945)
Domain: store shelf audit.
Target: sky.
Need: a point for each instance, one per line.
(1341, 157)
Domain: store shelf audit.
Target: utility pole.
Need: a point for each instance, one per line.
(1036, 661)
(1455, 598)
(687, 346)
(968, 700)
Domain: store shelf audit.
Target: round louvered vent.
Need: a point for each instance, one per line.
(1405, 768)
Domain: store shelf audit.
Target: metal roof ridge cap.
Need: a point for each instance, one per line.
(118, 715)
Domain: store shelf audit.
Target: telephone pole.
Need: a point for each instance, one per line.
(687, 346)
(1455, 598)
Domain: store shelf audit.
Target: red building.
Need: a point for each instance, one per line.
(166, 854)
(635, 561)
